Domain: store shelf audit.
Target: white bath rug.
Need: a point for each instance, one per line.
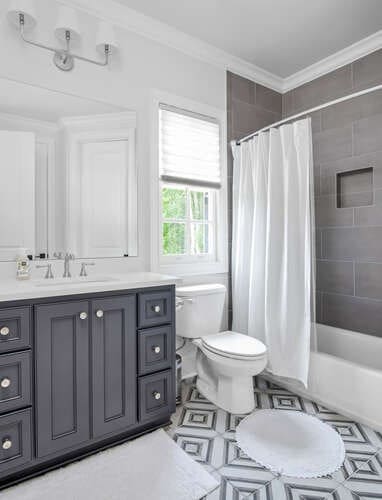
(291, 443)
(151, 467)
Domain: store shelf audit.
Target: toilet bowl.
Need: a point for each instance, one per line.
(225, 362)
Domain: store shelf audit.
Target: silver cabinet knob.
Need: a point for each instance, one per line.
(83, 315)
(157, 309)
(157, 395)
(4, 331)
(99, 313)
(7, 443)
(5, 382)
(156, 349)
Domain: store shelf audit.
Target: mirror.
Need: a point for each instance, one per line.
(67, 175)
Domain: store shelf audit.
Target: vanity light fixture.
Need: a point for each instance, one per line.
(22, 14)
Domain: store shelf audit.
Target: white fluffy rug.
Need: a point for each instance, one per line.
(291, 443)
(152, 467)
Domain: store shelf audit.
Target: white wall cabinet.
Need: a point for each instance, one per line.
(17, 193)
(101, 186)
(103, 213)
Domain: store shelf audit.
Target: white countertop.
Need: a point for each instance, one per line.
(41, 288)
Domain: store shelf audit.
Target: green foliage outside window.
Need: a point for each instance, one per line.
(181, 206)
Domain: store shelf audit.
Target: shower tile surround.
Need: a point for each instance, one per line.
(250, 106)
(207, 434)
(347, 151)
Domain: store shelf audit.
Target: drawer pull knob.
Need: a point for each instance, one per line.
(5, 382)
(99, 313)
(7, 444)
(156, 349)
(83, 315)
(4, 331)
(157, 395)
(157, 309)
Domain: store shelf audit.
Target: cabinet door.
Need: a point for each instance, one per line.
(114, 364)
(62, 376)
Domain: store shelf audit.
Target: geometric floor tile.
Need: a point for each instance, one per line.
(370, 471)
(235, 457)
(303, 489)
(199, 448)
(198, 418)
(355, 462)
(286, 402)
(351, 432)
(194, 396)
(207, 434)
(208, 451)
(232, 421)
(362, 490)
(240, 483)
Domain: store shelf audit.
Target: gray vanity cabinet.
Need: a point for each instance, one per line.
(114, 364)
(62, 336)
(81, 373)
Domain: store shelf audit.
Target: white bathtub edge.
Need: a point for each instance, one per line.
(324, 402)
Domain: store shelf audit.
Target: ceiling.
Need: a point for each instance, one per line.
(280, 36)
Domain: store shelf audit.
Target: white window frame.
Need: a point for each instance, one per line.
(184, 265)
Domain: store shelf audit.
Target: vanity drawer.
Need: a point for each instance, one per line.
(154, 308)
(15, 381)
(155, 349)
(14, 328)
(15, 440)
(156, 395)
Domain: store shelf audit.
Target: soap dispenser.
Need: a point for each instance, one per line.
(23, 270)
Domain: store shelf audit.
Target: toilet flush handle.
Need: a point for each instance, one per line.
(181, 301)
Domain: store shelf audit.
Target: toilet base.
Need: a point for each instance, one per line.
(232, 395)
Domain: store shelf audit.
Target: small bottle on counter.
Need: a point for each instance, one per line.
(23, 270)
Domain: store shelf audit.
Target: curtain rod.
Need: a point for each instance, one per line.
(311, 110)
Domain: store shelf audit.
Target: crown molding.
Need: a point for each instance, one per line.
(334, 61)
(140, 24)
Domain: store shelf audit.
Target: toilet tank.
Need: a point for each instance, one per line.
(199, 310)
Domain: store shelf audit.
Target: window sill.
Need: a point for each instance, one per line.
(194, 268)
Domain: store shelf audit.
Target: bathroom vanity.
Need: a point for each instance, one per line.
(83, 366)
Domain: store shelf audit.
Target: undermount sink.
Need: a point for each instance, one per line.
(73, 281)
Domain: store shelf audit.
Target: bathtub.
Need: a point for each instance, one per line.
(346, 375)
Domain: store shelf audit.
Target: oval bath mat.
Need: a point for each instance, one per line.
(291, 443)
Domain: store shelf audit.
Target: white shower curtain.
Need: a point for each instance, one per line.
(273, 245)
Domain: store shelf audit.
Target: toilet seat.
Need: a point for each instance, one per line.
(234, 345)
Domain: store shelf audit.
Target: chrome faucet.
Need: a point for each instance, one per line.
(66, 258)
(49, 273)
(83, 272)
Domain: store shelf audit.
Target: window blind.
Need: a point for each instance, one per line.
(189, 148)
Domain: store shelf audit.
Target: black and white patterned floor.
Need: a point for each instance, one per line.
(207, 434)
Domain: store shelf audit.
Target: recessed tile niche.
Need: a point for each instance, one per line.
(355, 188)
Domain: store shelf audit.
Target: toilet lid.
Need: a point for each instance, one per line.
(234, 345)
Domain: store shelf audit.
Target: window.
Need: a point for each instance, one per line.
(188, 222)
(190, 184)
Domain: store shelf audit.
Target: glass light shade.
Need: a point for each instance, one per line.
(67, 21)
(25, 7)
(106, 36)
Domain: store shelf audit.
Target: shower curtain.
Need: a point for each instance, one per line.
(273, 245)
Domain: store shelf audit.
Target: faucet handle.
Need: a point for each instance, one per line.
(83, 272)
(58, 255)
(49, 273)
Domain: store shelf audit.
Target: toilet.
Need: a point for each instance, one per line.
(225, 361)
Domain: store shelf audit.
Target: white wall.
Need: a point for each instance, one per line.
(141, 65)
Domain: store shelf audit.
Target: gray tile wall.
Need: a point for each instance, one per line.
(346, 137)
(250, 106)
